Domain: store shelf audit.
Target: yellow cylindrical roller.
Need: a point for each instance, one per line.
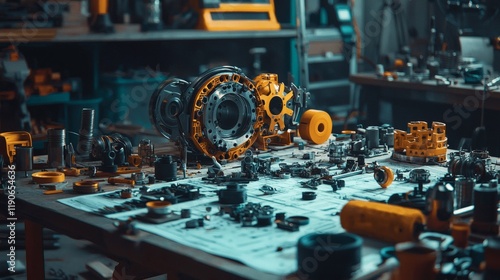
(385, 222)
(315, 126)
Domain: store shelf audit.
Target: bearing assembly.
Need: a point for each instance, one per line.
(222, 113)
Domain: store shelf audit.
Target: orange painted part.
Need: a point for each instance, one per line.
(385, 222)
(315, 126)
(389, 176)
(460, 232)
(9, 141)
(416, 262)
(201, 143)
(114, 180)
(274, 100)
(208, 16)
(434, 223)
(491, 257)
(46, 177)
(422, 141)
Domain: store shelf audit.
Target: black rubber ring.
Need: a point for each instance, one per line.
(308, 195)
(329, 256)
(298, 220)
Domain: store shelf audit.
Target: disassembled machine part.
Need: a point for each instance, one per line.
(55, 147)
(383, 175)
(24, 159)
(45, 177)
(476, 165)
(113, 150)
(389, 223)
(341, 255)
(485, 217)
(233, 194)
(222, 113)
(421, 144)
(440, 207)
(10, 140)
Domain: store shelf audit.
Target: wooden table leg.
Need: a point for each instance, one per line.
(35, 260)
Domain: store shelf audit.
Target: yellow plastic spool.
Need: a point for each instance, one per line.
(315, 126)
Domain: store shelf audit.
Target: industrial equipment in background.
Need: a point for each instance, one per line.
(26, 14)
(211, 15)
(13, 72)
(224, 15)
(222, 113)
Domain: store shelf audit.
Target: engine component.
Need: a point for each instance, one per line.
(222, 112)
(372, 137)
(421, 144)
(166, 169)
(340, 256)
(440, 207)
(460, 232)
(389, 223)
(185, 213)
(416, 261)
(336, 152)
(419, 175)
(383, 175)
(315, 126)
(55, 147)
(115, 180)
(492, 257)
(86, 132)
(308, 195)
(113, 150)
(24, 159)
(10, 140)
(233, 194)
(86, 187)
(464, 191)
(298, 220)
(477, 165)
(484, 218)
(45, 177)
(146, 152)
(158, 208)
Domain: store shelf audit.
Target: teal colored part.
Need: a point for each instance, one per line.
(126, 99)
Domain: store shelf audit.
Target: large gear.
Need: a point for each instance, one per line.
(222, 113)
(275, 101)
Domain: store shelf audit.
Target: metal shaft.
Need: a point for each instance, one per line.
(86, 131)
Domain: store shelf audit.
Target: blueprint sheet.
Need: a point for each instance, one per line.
(257, 247)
